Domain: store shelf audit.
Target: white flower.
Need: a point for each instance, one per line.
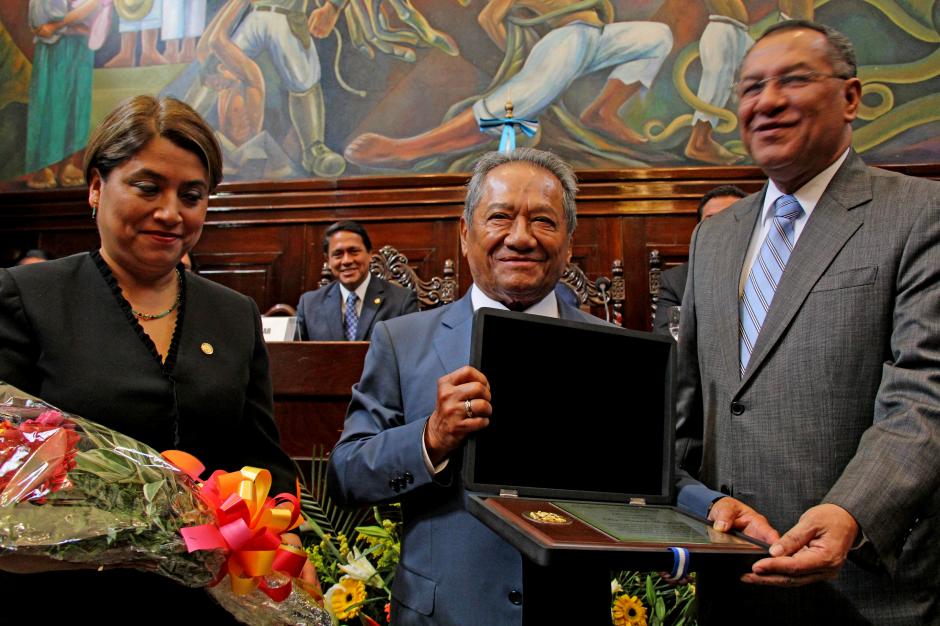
(359, 566)
(328, 602)
(615, 587)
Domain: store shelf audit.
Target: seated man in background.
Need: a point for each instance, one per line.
(347, 308)
(418, 399)
(672, 281)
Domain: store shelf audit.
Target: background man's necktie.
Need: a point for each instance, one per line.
(352, 318)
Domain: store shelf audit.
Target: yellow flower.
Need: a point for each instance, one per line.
(628, 611)
(346, 597)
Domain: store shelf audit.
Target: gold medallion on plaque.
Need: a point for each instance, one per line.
(546, 517)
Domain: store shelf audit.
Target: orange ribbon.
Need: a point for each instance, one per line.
(248, 526)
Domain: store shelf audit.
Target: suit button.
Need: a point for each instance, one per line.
(515, 596)
(393, 483)
(737, 408)
(409, 477)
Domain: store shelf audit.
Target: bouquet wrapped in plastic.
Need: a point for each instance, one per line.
(77, 492)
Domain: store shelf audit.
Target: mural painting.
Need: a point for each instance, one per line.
(298, 89)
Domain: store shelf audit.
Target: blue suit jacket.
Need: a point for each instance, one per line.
(453, 569)
(320, 316)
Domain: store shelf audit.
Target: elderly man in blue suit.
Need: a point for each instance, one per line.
(348, 308)
(418, 398)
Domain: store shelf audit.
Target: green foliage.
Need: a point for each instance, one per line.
(666, 604)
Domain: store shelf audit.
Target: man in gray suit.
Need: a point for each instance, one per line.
(348, 308)
(418, 397)
(810, 355)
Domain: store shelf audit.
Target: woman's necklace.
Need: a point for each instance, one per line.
(149, 317)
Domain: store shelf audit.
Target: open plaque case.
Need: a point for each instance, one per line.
(578, 459)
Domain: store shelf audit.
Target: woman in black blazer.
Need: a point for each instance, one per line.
(125, 336)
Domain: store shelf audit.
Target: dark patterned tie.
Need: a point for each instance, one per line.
(766, 272)
(352, 318)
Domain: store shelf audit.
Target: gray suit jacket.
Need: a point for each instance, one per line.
(453, 570)
(320, 316)
(841, 399)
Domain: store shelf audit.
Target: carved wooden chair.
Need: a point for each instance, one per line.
(656, 269)
(392, 265)
(588, 292)
(281, 309)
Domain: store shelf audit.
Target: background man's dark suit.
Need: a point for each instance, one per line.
(840, 402)
(671, 286)
(320, 315)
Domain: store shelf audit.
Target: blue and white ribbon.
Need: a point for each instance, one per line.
(681, 563)
(507, 140)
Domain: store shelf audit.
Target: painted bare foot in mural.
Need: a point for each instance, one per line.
(42, 179)
(171, 51)
(457, 134)
(703, 147)
(126, 55)
(71, 176)
(148, 48)
(603, 115)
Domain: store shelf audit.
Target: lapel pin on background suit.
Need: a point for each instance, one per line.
(378, 301)
(207, 348)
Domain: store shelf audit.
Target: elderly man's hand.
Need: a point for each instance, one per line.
(451, 420)
(814, 550)
(729, 514)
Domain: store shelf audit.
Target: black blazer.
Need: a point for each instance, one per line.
(67, 336)
(320, 316)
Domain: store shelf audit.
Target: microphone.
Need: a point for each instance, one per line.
(603, 284)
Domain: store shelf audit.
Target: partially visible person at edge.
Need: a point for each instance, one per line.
(672, 281)
(127, 338)
(819, 403)
(35, 255)
(418, 399)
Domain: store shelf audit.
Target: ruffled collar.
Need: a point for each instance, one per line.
(110, 279)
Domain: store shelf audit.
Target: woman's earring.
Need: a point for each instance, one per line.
(94, 210)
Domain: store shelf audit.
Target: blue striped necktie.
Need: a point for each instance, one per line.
(766, 272)
(352, 318)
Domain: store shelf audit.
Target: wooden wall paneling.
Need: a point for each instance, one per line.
(264, 262)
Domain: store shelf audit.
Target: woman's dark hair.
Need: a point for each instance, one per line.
(136, 121)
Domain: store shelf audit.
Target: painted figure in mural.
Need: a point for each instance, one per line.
(721, 49)
(582, 40)
(235, 77)
(138, 16)
(281, 28)
(183, 23)
(59, 92)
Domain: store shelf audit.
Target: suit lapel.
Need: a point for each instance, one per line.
(831, 224)
(375, 291)
(333, 312)
(452, 337)
(728, 276)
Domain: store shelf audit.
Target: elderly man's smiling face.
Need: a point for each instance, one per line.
(517, 244)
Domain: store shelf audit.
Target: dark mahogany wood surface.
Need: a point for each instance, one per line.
(312, 386)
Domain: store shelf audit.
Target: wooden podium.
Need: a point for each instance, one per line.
(312, 386)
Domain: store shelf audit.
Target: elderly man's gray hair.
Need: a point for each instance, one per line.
(539, 158)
